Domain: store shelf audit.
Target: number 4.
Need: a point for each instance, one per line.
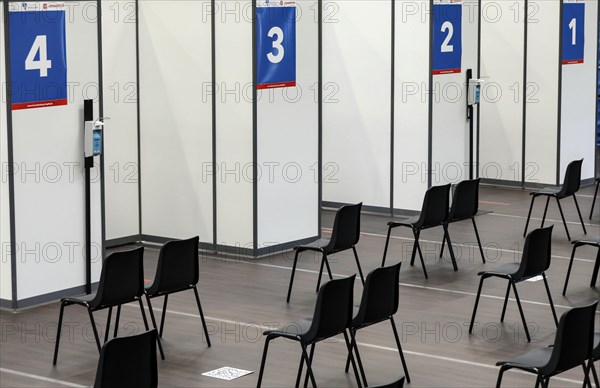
(43, 63)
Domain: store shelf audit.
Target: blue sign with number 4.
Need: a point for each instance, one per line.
(38, 60)
(573, 33)
(276, 46)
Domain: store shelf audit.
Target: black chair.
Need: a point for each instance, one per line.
(177, 270)
(595, 195)
(595, 357)
(534, 262)
(344, 236)
(433, 213)
(128, 362)
(379, 303)
(395, 384)
(465, 204)
(572, 347)
(587, 240)
(121, 282)
(568, 189)
(332, 316)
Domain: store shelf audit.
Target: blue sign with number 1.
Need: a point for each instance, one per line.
(573, 33)
(38, 59)
(276, 46)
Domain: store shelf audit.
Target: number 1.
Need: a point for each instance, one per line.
(43, 63)
(573, 27)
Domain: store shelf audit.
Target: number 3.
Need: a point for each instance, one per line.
(276, 58)
(447, 48)
(43, 63)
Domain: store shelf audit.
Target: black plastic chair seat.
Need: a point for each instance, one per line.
(534, 359)
(319, 245)
(297, 329)
(504, 270)
(554, 191)
(84, 300)
(410, 222)
(587, 240)
(155, 290)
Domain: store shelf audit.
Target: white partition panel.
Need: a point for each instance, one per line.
(288, 144)
(579, 91)
(175, 119)
(357, 101)
(233, 35)
(501, 121)
(49, 182)
(411, 103)
(542, 92)
(5, 258)
(450, 137)
(120, 104)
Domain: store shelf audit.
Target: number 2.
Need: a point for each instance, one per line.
(276, 58)
(43, 63)
(573, 28)
(446, 47)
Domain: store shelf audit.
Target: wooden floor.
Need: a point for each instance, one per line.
(243, 297)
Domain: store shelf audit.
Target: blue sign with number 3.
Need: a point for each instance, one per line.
(38, 59)
(447, 38)
(276, 46)
(573, 33)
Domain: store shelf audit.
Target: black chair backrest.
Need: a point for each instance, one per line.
(128, 362)
(536, 253)
(572, 179)
(465, 201)
(574, 339)
(380, 296)
(333, 310)
(121, 279)
(395, 384)
(435, 207)
(177, 266)
(346, 228)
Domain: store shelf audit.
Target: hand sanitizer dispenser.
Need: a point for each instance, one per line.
(93, 138)
(474, 96)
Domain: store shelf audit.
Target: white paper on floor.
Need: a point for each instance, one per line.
(227, 373)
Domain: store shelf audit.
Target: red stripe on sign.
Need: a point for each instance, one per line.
(446, 71)
(38, 104)
(147, 280)
(276, 85)
(572, 61)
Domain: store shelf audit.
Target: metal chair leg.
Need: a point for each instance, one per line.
(352, 361)
(443, 245)
(399, 350)
(201, 315)
(545, 211)
(108, 324)
(95, 330)
(143, 314)
(160, 348)
(300, 368)
(596, 267)
(58, 331)
(478, 240)
(569, 269)
(563, 219)
(579, 213)
(521, 311)
(529, 215)
(416, 234)
(447, 235)
(505, 301)
(323, 260)
(358, 265)
(476, 304)
(594, 374)
(594, 200)
(308, 366)
(539, 380)
(117, 321)
(420, 254)
(550, 299)
(163, 316)
(310, 357)
(503, 368)
(262, 363)
(387, 243)
(292, 277)
(354, 346)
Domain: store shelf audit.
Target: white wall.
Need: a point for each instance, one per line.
(49, 186)
(356, 108)
(501, 111)
(450, 153)
(288, 144)
(120, 104)
(5, 257)
(579, 91)
(411, 103)
(234, 123)
(175, 115)
(542, 92)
